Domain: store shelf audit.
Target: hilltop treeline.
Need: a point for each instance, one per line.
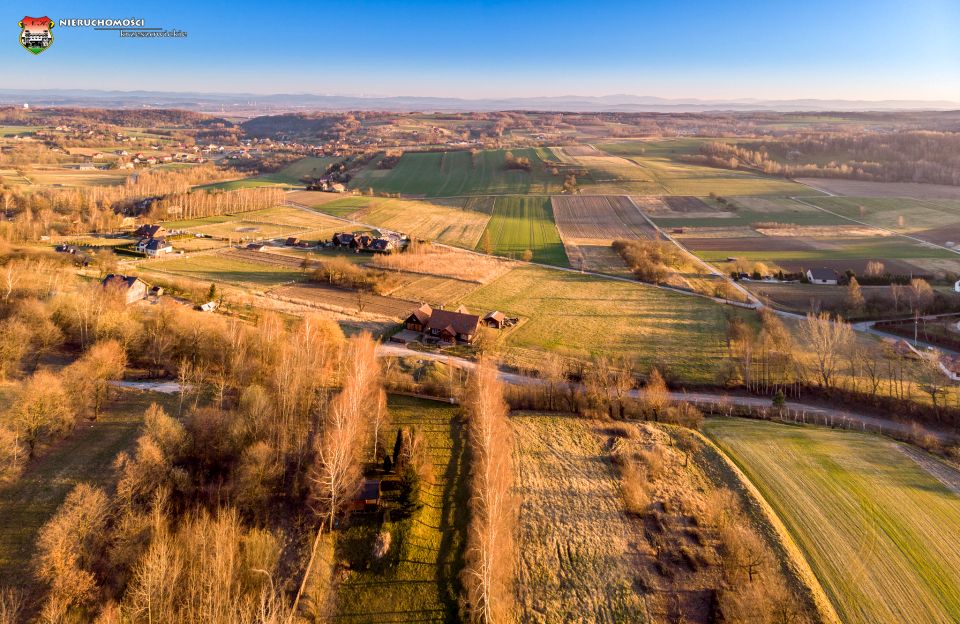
(913, 156)
(140, 117)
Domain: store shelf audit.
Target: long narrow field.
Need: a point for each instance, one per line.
(447, 174)
(291, 175)
(423, 584)
(599, 217)
(575, 558)
(588, 224)
(661, 161)
(86, 456)
(347, 301)
(881, 534)
(581, 315)
(522, 223)
(447, 222)
(608, 173)
(222, 267)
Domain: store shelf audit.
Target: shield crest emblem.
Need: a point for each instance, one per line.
(35, 33)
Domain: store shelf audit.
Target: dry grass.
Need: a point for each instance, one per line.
(425, 220)
(822, 231)
(574, 560)
(445, 262)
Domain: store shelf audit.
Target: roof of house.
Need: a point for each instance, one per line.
(344, 238)
(293, 240)
(255, 246)
(157, 243)
(380, 244)
(124, 281)
(454, 322)
(149, 230)
(422, 314)
(370, 490)
(822, 274)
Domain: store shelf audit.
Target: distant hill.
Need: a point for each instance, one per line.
(246, 103)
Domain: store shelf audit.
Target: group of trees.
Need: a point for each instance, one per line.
(653, 261)
(905, 156)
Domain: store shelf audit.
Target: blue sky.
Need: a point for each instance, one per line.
(882, 49)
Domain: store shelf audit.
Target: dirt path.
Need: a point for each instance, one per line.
(947, 475)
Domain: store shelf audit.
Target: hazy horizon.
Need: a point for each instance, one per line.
(493, 50)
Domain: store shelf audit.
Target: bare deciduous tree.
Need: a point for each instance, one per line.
(828, 338)
(488, 573)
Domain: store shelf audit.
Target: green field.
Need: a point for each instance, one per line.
(6, 131)
(896, 213)
(427, 547)
(881, 534)
(86, 456)
(582, 315)
(660, 161)
(223, 268)
(521, 223)
(288, 176)
(446, 174)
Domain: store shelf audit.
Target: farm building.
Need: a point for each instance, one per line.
(150, 231)
(823, 276)
(256, 247)
(368, 498)
(381, 245)
(443, 325)
(344, 239)
(133, 289)
(495, 319)
(292, 241)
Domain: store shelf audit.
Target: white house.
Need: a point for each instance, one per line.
(154, 247)
(823, 276)
(956, 286)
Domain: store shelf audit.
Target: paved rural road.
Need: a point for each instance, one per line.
(810, 413)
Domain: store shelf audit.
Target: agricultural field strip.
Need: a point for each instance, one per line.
(892, 232)
(881, 534)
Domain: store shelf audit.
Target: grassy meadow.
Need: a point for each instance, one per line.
(445, 222)
(216, 267)
(661, 163)
(581, 315)
(881, 534)
(573, 530)
(447, 174)
(521, 223)
(291, 175)
(420, 582)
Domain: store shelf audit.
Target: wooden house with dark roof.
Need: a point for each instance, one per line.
(443, 325)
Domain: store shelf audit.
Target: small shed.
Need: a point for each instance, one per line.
(495, 319)
(367, 499)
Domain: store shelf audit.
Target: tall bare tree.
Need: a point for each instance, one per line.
(827, 338)
(488, 573)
